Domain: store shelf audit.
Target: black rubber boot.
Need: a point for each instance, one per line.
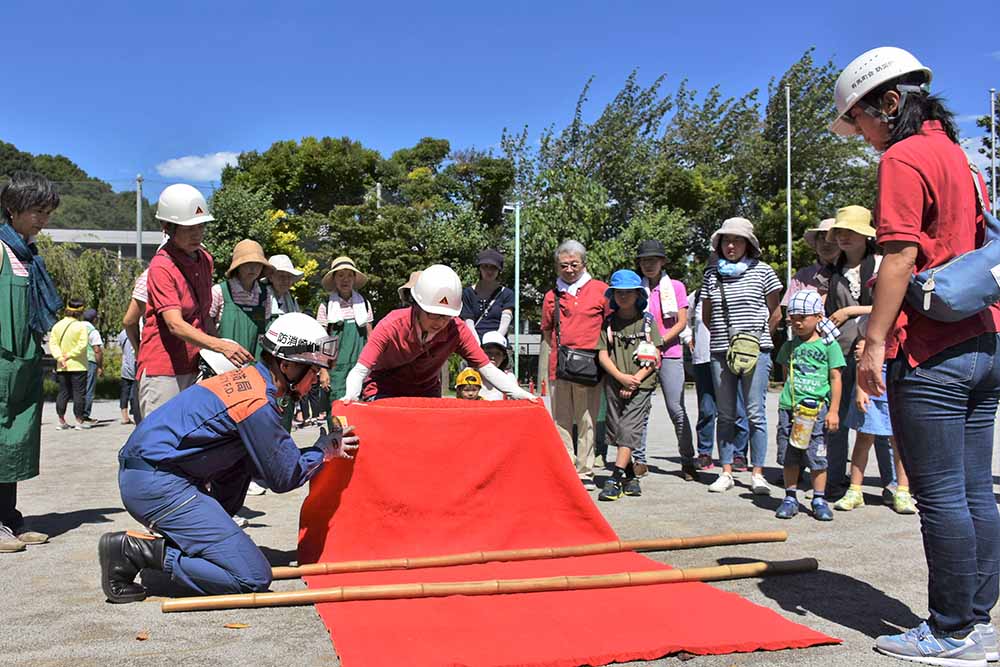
(122, 556)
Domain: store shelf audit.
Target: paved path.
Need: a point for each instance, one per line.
(52, 611)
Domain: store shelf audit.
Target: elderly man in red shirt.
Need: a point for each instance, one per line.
(405, 353)
(582, 309)
(177, 324)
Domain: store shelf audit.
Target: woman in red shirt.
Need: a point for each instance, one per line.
(943, 379)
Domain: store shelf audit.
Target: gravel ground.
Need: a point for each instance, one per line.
(871, 580)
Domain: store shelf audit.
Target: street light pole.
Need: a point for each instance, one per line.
(993, 148)
(517, 289)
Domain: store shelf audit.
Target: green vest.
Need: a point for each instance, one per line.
(244, 324)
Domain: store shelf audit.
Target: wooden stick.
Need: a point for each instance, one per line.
(490, 587)
(661, 544)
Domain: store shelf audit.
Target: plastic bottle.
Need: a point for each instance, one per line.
(803, 421)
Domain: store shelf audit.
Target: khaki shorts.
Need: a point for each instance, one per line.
(155, 390)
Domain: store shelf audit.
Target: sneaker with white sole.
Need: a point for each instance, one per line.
(255, 489)
(920, 645)
(722, 484)
(241, 522)
(986, 635)
(8, 542)
(759, 485)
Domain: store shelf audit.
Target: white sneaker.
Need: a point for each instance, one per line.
(986, 636)
(241, 521)
(759, 485)
(722, 484)
(255, 489)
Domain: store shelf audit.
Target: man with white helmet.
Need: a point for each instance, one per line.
(186, 469)
(176, 322)
(409, 346)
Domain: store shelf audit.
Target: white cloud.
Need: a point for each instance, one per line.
(996, 55)
(969, 118)
(198, 168)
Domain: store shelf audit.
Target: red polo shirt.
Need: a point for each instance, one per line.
(926, 196)
(402, 364)
(175, 282)
(580, 318)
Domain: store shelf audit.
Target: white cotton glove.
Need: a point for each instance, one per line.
(505, 319)
(354, 382)
(686, 335)
(505, 383)
(337, 445)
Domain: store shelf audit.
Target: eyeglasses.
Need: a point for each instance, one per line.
(866, 109)
(570, 265)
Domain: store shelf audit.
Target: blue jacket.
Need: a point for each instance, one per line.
(225, 425)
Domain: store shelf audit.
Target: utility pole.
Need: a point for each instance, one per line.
(788, 182)
(517, 288)
(138, 217)
(993, 148)
(378, 195)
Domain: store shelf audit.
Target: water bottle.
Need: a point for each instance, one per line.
(803, 422)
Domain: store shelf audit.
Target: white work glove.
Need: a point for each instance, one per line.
(354, 382)
(505, 383)
(337, 445)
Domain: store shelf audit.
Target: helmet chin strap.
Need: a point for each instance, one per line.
(298, 388)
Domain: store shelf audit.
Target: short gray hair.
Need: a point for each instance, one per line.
(571, 247)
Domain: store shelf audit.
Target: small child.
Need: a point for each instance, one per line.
(628, 351)
(869, 416)
(467, 385)
(495, 347)
(814, 364)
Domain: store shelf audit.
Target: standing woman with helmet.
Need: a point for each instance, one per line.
(231, 431)
(405, 354)
(177, 322)
(943, 379)
(741, 298)
(29, 307)
(488, 305)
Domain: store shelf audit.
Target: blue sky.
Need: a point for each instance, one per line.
(164, 88)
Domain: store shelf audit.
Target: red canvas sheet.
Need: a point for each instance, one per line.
(439, 476)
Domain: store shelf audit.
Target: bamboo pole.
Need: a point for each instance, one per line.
(490, 587)
(474, 557)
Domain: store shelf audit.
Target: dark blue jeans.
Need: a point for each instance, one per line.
(708, 411)
(942, 414)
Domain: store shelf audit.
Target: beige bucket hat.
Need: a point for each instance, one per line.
(822, 228)
(343, 262)
(284, 264)
(856, 218)
(406, 288)
(737, 227)
(247, 251)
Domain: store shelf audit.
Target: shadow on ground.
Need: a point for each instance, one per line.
(57, 523)
(838, 598)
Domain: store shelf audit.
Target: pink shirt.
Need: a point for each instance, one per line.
(674, 350)
(402, 364)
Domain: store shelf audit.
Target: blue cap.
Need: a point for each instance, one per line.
(626, 279)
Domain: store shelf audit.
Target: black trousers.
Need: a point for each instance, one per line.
(72, 385)
(9, 516)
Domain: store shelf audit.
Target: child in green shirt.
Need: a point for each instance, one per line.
(812, 391)
(628, 351)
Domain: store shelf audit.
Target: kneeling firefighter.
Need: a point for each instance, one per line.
(186, 468)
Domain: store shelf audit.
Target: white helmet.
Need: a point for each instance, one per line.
(494, 338)
(299, 338)
(182, 204)
(217, 361)
(866, 73)
(439, 290)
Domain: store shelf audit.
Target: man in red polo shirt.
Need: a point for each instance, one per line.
(179, 285)
(583, 308)
(409, 346)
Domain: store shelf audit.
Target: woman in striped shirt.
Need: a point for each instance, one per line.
(740, 294)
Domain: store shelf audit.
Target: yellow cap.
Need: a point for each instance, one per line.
(469, 376)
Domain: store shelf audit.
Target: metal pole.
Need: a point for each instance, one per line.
(993, 148)
(788, 182)
(138, 217)
(517, 289)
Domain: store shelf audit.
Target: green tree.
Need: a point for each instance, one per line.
(987, 142)
(240, 213)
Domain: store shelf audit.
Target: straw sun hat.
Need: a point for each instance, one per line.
(855, 218)
(343, 262)
(247, 251)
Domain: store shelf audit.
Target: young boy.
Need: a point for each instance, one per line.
(628, 351)
(467, 385)
(813, 362)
